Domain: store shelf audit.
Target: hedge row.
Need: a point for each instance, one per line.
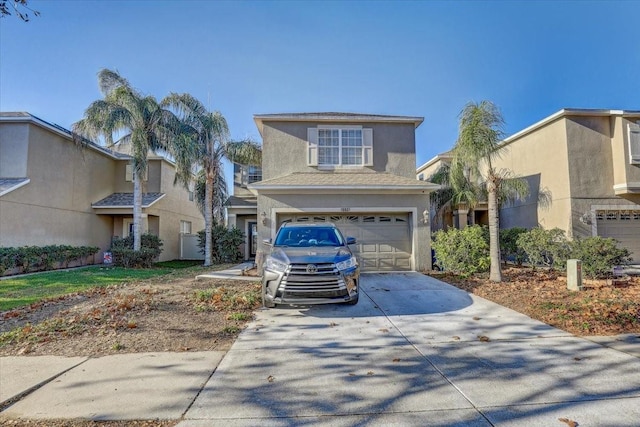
(466, 251)
(36, 258)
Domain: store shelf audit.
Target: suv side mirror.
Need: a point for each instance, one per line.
(351, 240)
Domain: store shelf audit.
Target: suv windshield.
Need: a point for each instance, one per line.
(304, 237)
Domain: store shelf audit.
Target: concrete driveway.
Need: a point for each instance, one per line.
(415, 351)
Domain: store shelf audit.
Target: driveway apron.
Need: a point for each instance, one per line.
(415, 351)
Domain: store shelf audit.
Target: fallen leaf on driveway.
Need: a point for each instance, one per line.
(396, 360)
(332, 324)
(568, 422)
(370, 373)
(484, 338)
(270, 378)
(383, 330)
(456, 338)
(476, 318)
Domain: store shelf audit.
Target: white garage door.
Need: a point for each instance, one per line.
(383, 241)
(624, 226)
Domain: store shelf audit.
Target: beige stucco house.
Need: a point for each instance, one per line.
(587, 161)
(52, 192)
(355, 170)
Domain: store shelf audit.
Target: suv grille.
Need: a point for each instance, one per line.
(326, 282)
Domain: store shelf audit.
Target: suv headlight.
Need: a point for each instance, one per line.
(275, 265)
(349, 263)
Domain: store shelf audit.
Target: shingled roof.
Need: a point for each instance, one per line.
(125, 200)
(343, 181)
(7, 185)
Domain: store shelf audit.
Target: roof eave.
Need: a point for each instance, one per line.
(260, 119)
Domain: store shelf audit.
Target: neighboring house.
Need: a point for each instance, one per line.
(53, 192)
(588, 162)
(242, 207)
(355, 170)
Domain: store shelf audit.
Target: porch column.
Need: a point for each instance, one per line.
(462, 214)
(231, 221)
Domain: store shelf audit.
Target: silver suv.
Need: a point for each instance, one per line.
(310, 264)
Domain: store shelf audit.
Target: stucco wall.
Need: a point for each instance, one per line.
(284, 149)
(174, 207)
(542, 158)
(13, 150)
(55, 207)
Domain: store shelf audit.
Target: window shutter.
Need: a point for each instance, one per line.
(367, 147)
(634, 144)
(312, 146)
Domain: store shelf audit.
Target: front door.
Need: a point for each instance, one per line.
(253, 239)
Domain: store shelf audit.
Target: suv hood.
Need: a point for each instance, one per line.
(311, 255)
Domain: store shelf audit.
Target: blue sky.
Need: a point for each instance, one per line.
(418, 58)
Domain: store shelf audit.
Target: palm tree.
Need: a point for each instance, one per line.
(136, 120)
(477, 147)
(203, 144)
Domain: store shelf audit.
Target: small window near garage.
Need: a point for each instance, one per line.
(353, 219)
(185, 227)
(336, 218)
(612, 215)
(401, 219)
(635, 215)
(385, 219)
(421, 177)
(302, 219)
(600, 215)
(319, 219)
(368, 219)
(625, 216)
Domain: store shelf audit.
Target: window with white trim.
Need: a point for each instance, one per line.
(634, 143)
(185, 227)
(340, 146)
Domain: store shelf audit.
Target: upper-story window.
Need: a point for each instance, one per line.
(254, 174)
(250, 174)
(331, 146)
(634, 143)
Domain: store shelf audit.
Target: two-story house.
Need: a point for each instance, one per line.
(355, 170)
(587, 162)
(53, 192)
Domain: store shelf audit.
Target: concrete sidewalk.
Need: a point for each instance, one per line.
(414, 351)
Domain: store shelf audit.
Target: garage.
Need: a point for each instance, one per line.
(383, 240)
(622, 225)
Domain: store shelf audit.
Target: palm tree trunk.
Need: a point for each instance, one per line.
(208, 219)
(495, 274)
(137, 210)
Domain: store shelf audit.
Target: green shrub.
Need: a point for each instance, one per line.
(8, 259)
(125, 256)
(463, 251)
(509, 248)
(34, 258)
(225, 243)
(546, 248)
(598, 255)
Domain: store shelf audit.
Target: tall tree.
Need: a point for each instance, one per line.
(134, 119)
(202, 145)
(18, 7)
(478, 146)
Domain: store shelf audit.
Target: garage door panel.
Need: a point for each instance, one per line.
(384, 241)
(622, 225)
(368, 248)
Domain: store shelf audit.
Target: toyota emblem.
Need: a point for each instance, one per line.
(312, 268)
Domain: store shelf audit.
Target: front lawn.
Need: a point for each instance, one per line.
(27, 290)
